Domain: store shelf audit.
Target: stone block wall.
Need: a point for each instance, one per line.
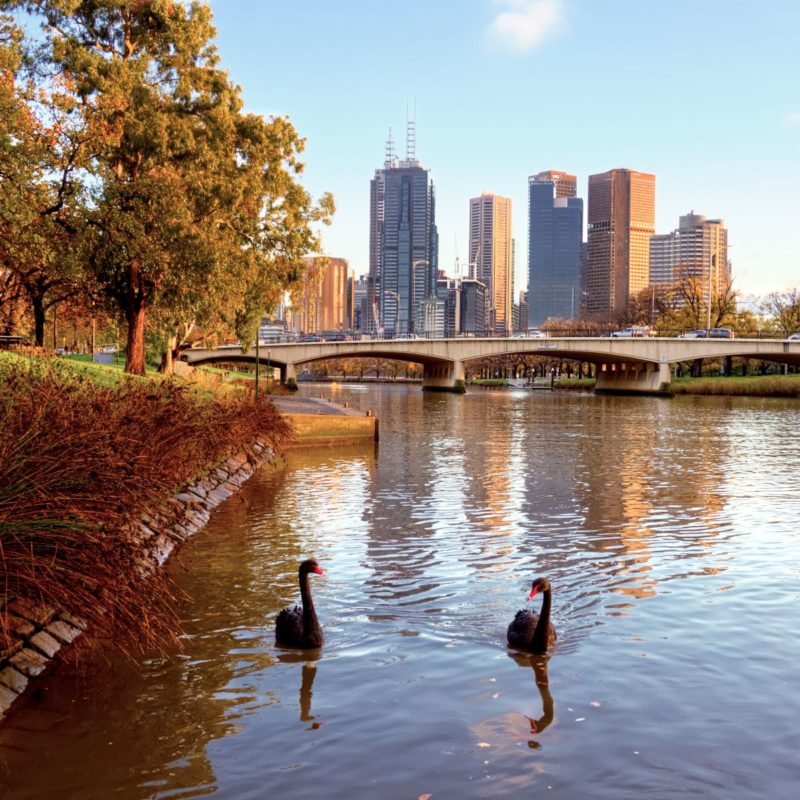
(39, 632)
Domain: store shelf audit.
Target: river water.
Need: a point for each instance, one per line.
(669, 530)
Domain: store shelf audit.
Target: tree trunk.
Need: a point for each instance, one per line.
(167, 356)
(134, 313)
(38, 317)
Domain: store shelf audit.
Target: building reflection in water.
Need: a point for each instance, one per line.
(642, 484)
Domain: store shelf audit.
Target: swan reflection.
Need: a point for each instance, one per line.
(309, 673)
(539, 666)
(505, 732)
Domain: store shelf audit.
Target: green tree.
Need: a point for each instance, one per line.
(196, 210)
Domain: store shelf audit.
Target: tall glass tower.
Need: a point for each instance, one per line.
(404, 243)
(555, 230)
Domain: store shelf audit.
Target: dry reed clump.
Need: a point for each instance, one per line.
(80, 463)
(749, 386)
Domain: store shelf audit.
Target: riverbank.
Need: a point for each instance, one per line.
(732, 386)
(738, 385)
(97, 485)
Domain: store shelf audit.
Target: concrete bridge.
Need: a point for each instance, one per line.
(623, 365)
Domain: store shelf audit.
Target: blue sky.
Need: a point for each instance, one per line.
(703, 93)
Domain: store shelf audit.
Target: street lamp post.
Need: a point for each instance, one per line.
(708, 310)
(258, 336)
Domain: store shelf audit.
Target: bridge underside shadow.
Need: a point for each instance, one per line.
(640, 377)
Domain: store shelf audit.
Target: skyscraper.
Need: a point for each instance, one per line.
(472, 307)
(404, 243)
(621, 222)
(323, 303)
(555, 230)
(664, 255)
(697, 249)
(490, 256)
(566, 184)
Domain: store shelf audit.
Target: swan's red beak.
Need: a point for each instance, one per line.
(533, 593)
(319, 570)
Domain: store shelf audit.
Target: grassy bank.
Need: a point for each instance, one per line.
(745, 386)
(575, 384)
(81, 460)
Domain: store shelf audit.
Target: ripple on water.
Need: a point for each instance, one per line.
(671, 544)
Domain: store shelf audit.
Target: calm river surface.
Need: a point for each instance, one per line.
(670, 530)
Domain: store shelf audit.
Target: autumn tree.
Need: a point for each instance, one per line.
(784, 309)
(196, 209)
(40, 149)
(687, 306)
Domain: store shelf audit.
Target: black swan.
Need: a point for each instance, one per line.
(298, 627)
(531, 632)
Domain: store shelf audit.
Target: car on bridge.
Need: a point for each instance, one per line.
(713, 333)
(532, 333)
(795, 337)
(634, 331)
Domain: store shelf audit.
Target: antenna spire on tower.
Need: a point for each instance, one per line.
(411, 135)
(390, 156)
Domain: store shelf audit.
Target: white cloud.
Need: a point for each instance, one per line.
(524, 24)
(793, 120)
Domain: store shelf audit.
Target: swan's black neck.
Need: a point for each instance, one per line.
(309, 615)
(543, 625)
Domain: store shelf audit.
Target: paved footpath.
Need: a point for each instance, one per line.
(312, 405)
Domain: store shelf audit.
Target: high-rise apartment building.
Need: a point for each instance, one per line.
(322, 306)
(491, 256)
(555, 233)
(404, 243)
(697, 249)
(361, 308)
(664, 255)
(523, 311)
(473, 307)
(621, 221)
(449, 291)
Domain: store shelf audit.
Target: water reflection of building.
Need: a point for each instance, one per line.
(644, 483)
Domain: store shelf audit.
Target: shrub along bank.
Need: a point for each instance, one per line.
(81, 463)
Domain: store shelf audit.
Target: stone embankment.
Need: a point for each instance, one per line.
(39, 632)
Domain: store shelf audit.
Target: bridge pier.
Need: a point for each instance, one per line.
(289, 377)
(444, 377)
(633, 378)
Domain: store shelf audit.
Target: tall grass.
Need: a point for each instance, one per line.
(749, 386)
(80, 462)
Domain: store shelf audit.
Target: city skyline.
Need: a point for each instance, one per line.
(710, 108)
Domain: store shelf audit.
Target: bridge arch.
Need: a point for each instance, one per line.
(635, 365)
